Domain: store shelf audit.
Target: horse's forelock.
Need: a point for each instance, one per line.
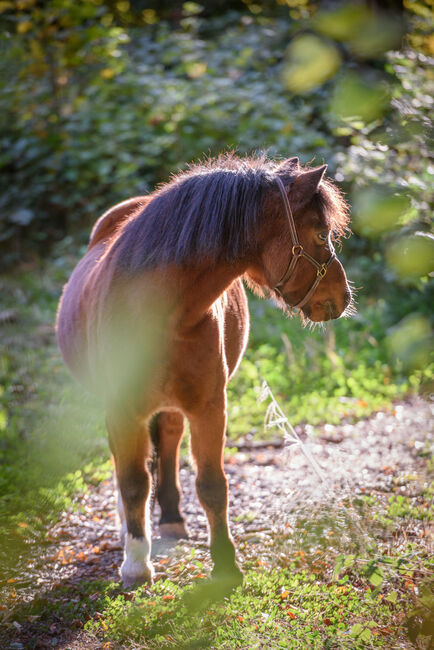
(334, 207)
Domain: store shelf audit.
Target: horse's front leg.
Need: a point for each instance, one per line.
(129, 443)
(207, 443)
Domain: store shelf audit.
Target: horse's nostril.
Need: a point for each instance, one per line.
(330, 308)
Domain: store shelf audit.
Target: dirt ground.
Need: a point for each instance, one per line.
(270, 485)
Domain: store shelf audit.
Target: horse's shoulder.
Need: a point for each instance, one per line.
(110, 221)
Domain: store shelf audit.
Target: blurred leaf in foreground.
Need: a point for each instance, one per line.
(356, 98)
(377, 210)
(309, 62)
(410, 341)
(368, 33)
(412, 256)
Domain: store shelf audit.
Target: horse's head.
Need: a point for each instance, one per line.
(298, 256)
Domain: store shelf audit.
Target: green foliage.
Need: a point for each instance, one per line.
(95, 112)
(345, 370)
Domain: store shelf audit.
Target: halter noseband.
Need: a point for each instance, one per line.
(297, 252)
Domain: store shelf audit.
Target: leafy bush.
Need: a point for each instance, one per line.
(93, 112)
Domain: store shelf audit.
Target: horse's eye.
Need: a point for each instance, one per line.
(323, 236)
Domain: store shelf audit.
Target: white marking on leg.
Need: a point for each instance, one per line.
(136, 566)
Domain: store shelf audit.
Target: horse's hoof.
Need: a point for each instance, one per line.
(212, 590)
(173, 530)
(228, 579)
(136, 576)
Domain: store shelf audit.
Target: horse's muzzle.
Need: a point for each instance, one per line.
(327, 310)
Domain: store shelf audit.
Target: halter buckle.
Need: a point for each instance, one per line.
(322, 271)
(297, 250)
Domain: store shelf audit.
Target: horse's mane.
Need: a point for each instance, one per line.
(211, 211)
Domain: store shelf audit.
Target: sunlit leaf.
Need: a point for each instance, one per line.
(341, 23)
(107, 73)
(392, 597)
(196, 69)
(412, 256)
(191, 8)
(4, 6)
(376, 577)
(149, 16)
(123, 6)
(354, 97)
(377, 210)
(410, 341)
(24, 26)
(309, 62)
(367, 33)
(419, 8)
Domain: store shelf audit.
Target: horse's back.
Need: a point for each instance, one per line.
(71, 326)
(106, 226)
(78, 302)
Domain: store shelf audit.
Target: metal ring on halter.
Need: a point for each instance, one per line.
(297, 250)
(322, 270)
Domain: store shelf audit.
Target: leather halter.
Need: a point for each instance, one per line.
(297, 252)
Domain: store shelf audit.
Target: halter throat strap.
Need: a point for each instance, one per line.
(297, 252)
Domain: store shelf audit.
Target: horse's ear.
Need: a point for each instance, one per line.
(306, 184)
(289, 164)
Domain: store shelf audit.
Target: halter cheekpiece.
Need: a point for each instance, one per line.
(297, 252)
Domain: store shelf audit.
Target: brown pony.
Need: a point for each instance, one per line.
(154, 319)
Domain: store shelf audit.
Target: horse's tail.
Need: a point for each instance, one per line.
(154, 432)
(110, 221)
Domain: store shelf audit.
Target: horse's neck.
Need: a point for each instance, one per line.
(201, 287)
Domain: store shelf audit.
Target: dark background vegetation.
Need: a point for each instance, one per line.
(101, 100)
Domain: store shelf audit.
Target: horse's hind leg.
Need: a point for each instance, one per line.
(129, 443)
(166, 431)
(207, 441)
